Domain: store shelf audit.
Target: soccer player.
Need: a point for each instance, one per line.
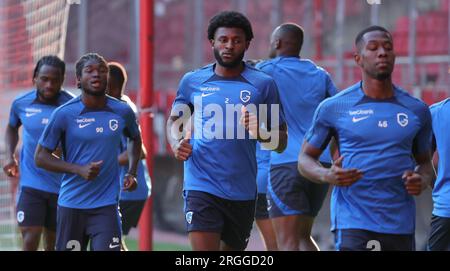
(90, 129)
(220, 162)
(38, 190)
(383, 138)
(294, 201)
(439, 239)
(131, 203)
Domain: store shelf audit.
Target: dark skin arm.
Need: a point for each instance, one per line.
(11, 167)
(180, 145)
(123, 157)
(250, 122)
(134, 149)
(310, 167)
(45, 159)
(418, 180)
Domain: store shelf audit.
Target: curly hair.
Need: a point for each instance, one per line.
(50, 60)
(230, 19)
(85, 58)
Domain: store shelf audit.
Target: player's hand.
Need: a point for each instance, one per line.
(91, 170)
(183, 149)
(340, 176)
(129, 183)
(250, 122)
(11, 169)
(414, 182)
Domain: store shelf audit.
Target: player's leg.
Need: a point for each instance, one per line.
(204, 220)
(31, 217)
(104, 229)
(239, 217)
(70, 228)
(267, 232)
(50, 222)
(130, 211)
(286, 202)
(264, 223)
(439, 239)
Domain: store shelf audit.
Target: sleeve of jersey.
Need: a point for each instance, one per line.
(132, 126)
(14, 120)
(274, 106)
(319, 134)
(422, 142)
(182, 104)
(331, 88)
(55, 128)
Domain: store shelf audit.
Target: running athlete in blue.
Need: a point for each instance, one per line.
(90, 128)
(439, 239)
(295, 201)
(131, 203)
(383, 137)
(38, 191)
(231, 102)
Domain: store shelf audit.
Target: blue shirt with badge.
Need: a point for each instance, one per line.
(302, 86)
(143, 190)
(378, 137)
(27, 111)
(223, 160)
(90, 135)
(440, 113)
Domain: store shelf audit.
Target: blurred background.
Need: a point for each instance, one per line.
(159, 40)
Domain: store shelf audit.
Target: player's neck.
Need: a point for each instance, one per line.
(92, 101)
(377, 89)
(227, 71)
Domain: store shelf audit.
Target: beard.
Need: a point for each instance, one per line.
(42, 96)
(95, 93)
(233, 64)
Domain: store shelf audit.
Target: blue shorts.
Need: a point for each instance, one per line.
(261, 207)
(76, 227)
(439, 239)
(36, 208)
(363, 240)
(289, 193)
(130, 211)
(233, 219)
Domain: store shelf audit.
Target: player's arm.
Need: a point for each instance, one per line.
(11, 168)
(134, 151)
(123, 157)
(423, 175)
(310, 167)
(179, 143)
(44, 158)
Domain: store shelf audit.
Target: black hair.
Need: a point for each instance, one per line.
(117, 72)
(295, 32)
(372, 28)
(50, 60)
(230, 19)
(89, 56)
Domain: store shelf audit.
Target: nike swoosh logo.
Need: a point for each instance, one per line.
(207, 94)
(359, 119)
(113, 246)
(30, 114)
(81, 126)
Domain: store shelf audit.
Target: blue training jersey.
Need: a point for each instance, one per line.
(223, 163)
(302, 86)
(377, 137)
(27, 111)
(263, 160)
(440, 113)
(143, 190)
(90, 135)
